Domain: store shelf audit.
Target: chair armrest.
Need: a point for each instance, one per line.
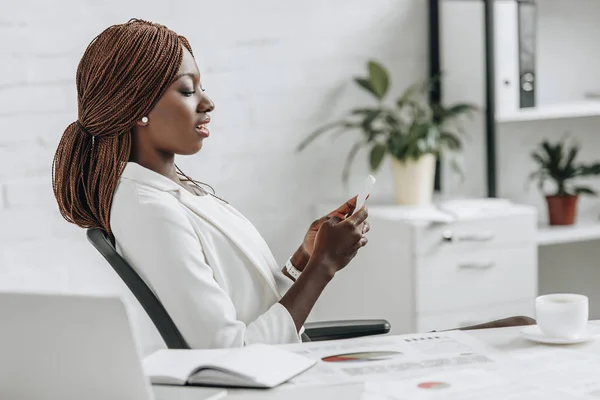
(329, 330)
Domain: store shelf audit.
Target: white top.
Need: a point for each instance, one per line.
(208, 265)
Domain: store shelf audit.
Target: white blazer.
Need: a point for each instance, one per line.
(208, 265)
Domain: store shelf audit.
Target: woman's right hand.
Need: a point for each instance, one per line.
(338, 240)
(336, 243)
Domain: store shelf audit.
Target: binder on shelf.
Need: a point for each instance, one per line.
(514, 31)
(463, 52)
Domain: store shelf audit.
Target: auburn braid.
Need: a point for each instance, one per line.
(121, 76)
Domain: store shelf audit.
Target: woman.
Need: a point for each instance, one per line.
(141, 102)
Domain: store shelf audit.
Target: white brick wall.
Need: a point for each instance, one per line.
(275, 69)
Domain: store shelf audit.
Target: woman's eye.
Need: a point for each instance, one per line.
(188, 93)
(202, 88)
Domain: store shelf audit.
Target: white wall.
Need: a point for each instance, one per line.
(275, 69)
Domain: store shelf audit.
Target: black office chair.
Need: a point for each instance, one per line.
(316, 331)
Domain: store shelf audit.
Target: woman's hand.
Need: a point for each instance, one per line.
(305, 251)
(338, 240)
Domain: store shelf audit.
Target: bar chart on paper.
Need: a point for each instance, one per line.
(433, 385)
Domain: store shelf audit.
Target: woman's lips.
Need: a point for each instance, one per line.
(203, 130)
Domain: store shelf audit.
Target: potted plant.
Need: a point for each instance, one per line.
(556, 162)
(412, 131)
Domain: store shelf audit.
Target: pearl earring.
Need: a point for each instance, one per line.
(145, 120)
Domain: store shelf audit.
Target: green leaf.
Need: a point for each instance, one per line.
(349, 159)
(457, 167)
(340, 132)
(433, 137)
(397, 145)
(539, 159)
(366, 84)
(418, 130)
(429, 83)
(366, 124)
(459, 109)
(363, 111)
(392, 121)
(323, 129)
(554, 155)
(589, 170)
(452, 141)
(408, 94)
(535, 175)
(541, 180)
(415, 141)
(439, 113)
(540, 176)
(572, 154)
(370, 117)
(372, 134)
(376, 156)
(379, 78)
(584, 190)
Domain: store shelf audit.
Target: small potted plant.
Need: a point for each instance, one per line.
(557, 162)
(412, 131)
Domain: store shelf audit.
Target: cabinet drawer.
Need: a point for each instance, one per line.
(454, 320)
(455, 281)
(475, 234)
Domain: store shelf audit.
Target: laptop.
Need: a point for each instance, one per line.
(69, 347)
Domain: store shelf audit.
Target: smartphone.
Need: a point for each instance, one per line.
(362, 196)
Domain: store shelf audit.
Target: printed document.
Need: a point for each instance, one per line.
(392, 358)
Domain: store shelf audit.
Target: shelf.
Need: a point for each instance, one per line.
(553, 111)
(549, 235)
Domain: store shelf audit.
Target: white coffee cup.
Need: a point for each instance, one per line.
(562, 315)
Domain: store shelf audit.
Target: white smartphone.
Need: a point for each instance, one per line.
(362, 196)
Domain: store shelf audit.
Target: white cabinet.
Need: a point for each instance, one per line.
(422, 276)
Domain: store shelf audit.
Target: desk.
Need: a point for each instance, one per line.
(505, 339)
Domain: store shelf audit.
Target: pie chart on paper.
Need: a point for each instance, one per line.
(433, 385)
(362, 356)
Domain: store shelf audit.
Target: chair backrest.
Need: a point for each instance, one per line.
(151, 304)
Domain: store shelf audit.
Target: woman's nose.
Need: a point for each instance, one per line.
(205, 104)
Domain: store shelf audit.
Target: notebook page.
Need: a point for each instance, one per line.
(175, 366)
(263, 364)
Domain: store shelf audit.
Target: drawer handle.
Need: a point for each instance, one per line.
(476, 265)
(486, 236)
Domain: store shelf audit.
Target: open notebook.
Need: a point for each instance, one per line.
(257, 365)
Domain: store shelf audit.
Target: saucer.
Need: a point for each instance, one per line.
(533, 332)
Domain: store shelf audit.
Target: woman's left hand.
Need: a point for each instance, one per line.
(302, 255)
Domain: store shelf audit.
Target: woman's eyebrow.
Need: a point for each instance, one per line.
(190, 74)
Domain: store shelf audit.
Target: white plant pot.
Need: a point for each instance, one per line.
(413, 180)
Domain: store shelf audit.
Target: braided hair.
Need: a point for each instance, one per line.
(123, 73)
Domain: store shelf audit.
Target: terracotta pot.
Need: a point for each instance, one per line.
(562, 209)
